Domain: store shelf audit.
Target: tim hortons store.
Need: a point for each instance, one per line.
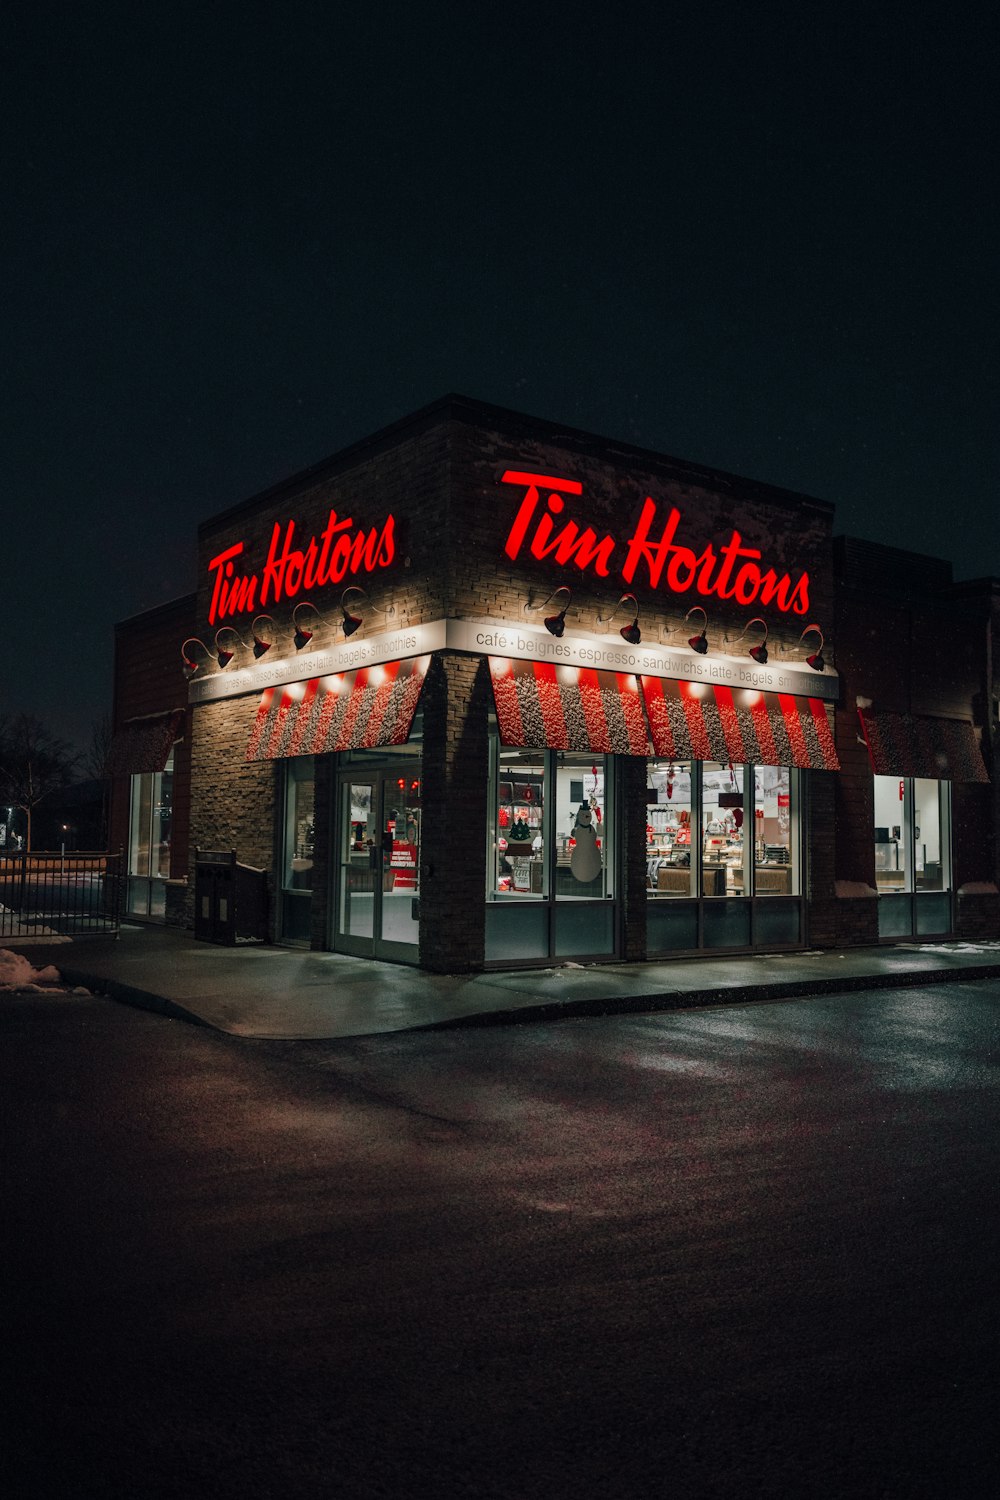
(483, 691)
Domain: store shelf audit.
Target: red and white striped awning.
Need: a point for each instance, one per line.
(542, 706)
(351, 711)
(143, 745)
(910, 745)
(696, 721)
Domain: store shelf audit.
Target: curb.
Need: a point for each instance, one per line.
(559, 1010)
(127, 994)
(672, 1000)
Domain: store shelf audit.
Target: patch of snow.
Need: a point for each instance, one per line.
(16, 973)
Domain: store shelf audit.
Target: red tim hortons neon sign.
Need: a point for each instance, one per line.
(653, 555)
(340, 551)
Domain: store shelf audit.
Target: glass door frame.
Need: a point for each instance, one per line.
(912, 912)
(381, 862)
(145, 896)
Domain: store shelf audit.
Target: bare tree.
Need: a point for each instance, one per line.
(34, 763)
(96, 765)
(98, 753)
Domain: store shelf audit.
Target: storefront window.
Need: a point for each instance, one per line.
(297, 854)
(722, 831)
(149, 840)
(928, 843)
(890, 833)
(744, 819)
(773, 842)
(519, 823)
(300, 808)
(550, 826)
(582, 867)
(550, 871)
(669, 864)
(911, 834)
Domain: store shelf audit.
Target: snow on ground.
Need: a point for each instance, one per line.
(16, 973)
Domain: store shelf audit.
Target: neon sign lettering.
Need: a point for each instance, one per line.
(328, 558)
(651, 556)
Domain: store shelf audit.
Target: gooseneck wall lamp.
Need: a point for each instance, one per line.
(757, 653)
(631, 631)
(555, 624)
(191, 662)
(816, 659)
(225, 653)
(262, 633)
(303, 634)
(352, 621)
(699, 643)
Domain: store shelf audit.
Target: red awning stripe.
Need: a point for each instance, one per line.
(908, 745)
(595, 718)
(694, 721)
(280, 725)
(730, 721)
(704, 746)
(625, 716)
(319, 724)
(364, 709)
(303, 717)
(550, 703)
(541, 706)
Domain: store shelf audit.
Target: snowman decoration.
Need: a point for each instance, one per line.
(585, 860)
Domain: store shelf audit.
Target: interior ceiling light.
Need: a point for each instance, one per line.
(303, 635)
(699, 643)
(816, 660)
(631, 631)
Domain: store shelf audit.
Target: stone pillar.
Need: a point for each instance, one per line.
(454, 814)
(630, 772)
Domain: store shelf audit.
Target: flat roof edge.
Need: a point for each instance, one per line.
(467, 409)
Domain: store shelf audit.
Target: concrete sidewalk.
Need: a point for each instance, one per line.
(286, 993)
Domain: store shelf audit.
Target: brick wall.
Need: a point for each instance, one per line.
(455, 807)
(632, 800)
(149, 679)
(791, 532)
(233, 803)
(911, 642)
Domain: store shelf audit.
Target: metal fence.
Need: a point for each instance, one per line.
(60, 895)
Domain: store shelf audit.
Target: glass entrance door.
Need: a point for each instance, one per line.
(379, 864)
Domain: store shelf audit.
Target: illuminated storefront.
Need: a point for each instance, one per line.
(481, 691)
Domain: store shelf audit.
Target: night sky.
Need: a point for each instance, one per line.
(236, 238)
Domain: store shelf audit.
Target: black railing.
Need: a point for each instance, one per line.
(60, 895)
